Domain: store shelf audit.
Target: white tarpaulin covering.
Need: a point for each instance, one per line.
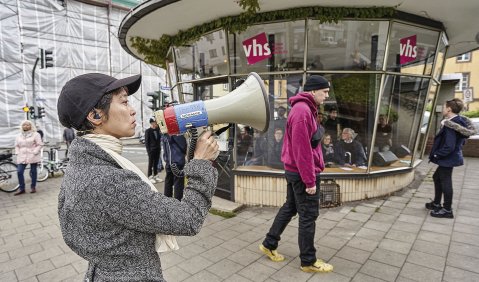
(83, 39)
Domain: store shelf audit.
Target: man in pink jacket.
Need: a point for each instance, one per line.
(303, 162)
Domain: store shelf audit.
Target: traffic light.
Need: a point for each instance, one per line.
(46, 59)
(41, 112)
(164, 99)
(32, 112)
(153, 100)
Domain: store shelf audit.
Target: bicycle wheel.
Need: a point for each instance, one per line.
(8, 177)
(42, 173)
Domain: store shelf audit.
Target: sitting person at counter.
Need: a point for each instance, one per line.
(327, 146)
(350, 152)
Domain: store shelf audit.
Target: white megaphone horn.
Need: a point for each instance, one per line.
(248, 104)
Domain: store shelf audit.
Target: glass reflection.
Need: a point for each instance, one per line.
(401, 107)
(411, 49)
(280, 49)
(423, 132)
(262, 150)
(347, 117)
(348, 121)
(346, 45)
(440, 58)
(205, 58)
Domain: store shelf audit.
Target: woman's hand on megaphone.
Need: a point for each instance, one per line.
(206, 148)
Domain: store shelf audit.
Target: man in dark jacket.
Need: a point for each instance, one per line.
(153, 148)
(303, 162)
(446, 152)
(350, 152)
(175, 152)
(68, 136)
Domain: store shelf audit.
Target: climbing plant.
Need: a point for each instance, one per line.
(155, 50)
(249, 6)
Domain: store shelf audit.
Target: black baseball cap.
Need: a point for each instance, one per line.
(82, 93)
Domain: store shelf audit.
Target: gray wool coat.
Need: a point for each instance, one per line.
(109, 216)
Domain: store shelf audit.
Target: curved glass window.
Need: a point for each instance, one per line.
(348, 119)
(411, 49)
(205, 58)
(267, 48)
(346, 45)
(401, 107)
(351, 55)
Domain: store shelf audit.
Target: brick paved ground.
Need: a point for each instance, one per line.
(390, 239)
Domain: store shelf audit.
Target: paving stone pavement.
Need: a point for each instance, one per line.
(387, 239)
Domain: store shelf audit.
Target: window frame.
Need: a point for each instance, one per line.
(459, 86)
(464, 58)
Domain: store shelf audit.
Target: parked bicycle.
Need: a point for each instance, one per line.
(8, 173)
(51, 163)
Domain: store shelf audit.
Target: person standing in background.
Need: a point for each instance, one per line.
(28, 146)
(153, 148)
(244, 146)
(446, 152)
(383, 135)
(280, 120)
(68, 136)
(332, 124)
(175, 152)
(274, 149)
(40, 131)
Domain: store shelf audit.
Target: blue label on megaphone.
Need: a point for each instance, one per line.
(191, 114)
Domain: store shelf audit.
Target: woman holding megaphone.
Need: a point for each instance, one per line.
(110, 214)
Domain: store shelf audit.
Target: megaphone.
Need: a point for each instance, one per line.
(248, 104)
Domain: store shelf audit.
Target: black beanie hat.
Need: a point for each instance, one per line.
(316, 82)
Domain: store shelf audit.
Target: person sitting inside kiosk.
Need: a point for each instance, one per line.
(350, 152)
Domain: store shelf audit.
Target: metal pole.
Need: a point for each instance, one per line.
(34, 100)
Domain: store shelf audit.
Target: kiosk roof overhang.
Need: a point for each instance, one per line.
(154, 18)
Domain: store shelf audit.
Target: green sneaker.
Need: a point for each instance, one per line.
(318, 266)
(272, 254)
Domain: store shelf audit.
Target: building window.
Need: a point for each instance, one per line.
(223, 50)
(466, 57)
(213, 53)
(464, 83)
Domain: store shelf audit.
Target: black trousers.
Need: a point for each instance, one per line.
(153, 159)
(443, 185)
(171, 181)
(307, 207)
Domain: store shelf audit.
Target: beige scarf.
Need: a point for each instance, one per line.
(114, 147)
